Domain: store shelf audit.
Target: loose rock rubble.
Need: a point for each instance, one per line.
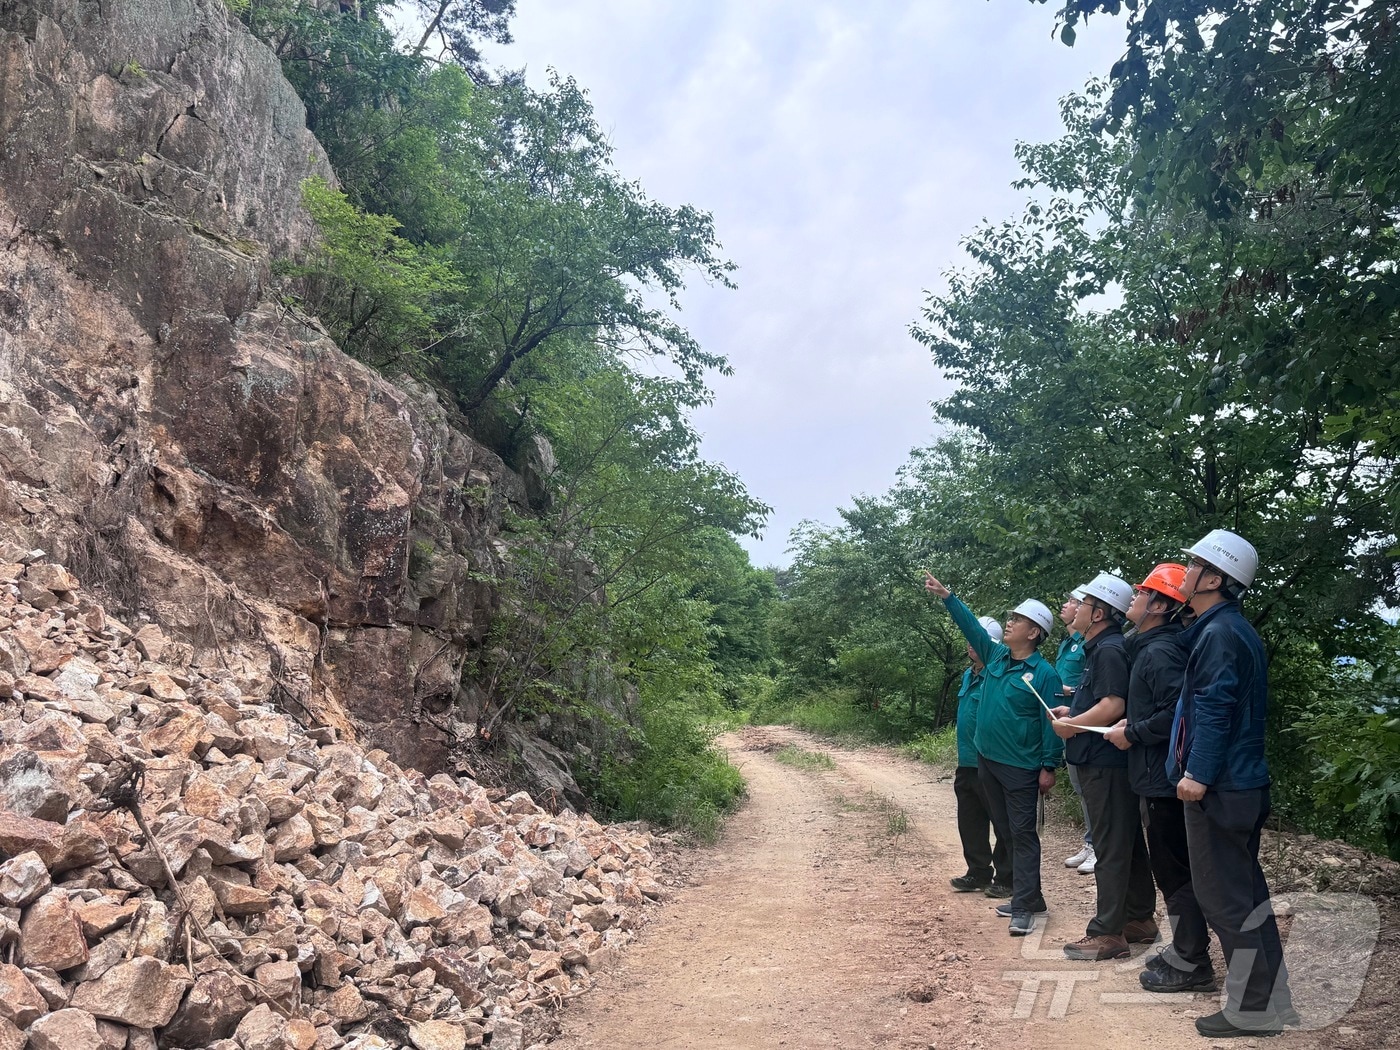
(181, 865)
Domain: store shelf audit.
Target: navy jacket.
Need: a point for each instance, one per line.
(1218, 731)
(1154, 686)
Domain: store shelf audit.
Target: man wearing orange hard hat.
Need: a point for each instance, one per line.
(1158, 658)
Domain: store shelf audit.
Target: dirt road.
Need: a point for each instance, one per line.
(824, 918)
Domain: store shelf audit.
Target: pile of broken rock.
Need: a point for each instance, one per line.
(181, 865)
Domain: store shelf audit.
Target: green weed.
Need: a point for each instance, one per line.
(791, 755)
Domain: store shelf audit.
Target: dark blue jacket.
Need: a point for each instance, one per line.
(1218, 730)
(1154, 687)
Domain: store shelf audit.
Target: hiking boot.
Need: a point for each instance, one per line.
(1022, 923)
(1289, 1016)
(1227, 1024)
(1087, 868)
(1140, 931)
(967, 884)
(998, 889)
(1167, 978)
(1079, 858)
(1004, 910)
(1096, 949)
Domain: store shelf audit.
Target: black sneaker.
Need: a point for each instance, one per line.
(1168, 978)
(1222, 1025)
(1162, 960)
(1005, 912)
(1022, 923)
(967, 884)
(998, 889)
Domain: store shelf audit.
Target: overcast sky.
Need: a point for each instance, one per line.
(845, 149)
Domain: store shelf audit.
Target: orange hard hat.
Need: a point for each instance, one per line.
(1167, 579)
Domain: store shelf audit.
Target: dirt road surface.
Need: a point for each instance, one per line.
(824, 918)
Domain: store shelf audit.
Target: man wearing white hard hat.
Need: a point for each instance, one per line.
(1017, 751)
(1069, 665)
(988, 868)
(1216, 760)
(1122, 875)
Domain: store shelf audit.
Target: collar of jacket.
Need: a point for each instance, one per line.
(1193, 632)
(1140, 640)
(1092, 643)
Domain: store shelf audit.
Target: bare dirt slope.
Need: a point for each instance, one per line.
(824, 918)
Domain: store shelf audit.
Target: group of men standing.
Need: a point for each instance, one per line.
(1163, 733)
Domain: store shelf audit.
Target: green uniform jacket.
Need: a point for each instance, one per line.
(1012, 727)
(968, 696)
(1069, 661)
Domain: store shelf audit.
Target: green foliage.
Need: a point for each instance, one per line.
(377, 291)
(1345, 745)
(1269, 126)
(854, 618)
(676, 778)
(561, 245)
(939, 748)
(835, 713)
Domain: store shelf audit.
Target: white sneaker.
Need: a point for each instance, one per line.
(1087, 853)
(1087, 868)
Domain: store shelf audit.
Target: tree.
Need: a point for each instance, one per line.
(561, 244)
(1268, 126)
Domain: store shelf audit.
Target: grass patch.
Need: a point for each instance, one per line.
(846, 805)
(939, 748)
(896, 823)
(791, 755)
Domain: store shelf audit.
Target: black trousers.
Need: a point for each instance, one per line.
(1164, 820)
(1122, 874)
(1223, 835)
(984, 864)
(1011, 794)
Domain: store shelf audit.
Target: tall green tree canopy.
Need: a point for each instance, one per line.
(1268, 125)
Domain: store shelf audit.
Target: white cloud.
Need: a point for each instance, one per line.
(844, 150)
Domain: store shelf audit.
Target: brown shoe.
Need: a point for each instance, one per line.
(1140, 931)
(1095, 949)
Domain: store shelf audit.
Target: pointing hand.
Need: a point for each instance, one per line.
(935, 588)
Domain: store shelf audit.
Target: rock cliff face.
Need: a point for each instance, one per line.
(168, 428)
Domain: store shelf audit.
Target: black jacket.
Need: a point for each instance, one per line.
(1154, 686)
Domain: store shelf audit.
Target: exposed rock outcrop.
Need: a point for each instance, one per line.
(176, 433)
(183, 866)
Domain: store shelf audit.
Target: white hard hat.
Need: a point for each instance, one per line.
(1118, 593)
(1077, 594)
(1232, 554)
(993, 628)
(1037, 613)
